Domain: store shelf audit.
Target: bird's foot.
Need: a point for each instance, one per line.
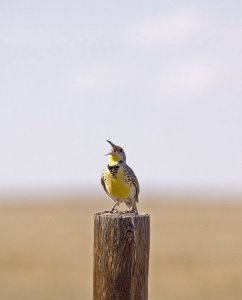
(133, 211)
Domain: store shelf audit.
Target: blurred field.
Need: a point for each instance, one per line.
(46, 250)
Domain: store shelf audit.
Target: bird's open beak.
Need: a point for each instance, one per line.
(113, 146)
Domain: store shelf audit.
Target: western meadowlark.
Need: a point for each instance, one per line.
(119, 180)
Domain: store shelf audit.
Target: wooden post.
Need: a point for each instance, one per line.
(121, 256)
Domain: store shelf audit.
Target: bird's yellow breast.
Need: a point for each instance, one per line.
(116, 186)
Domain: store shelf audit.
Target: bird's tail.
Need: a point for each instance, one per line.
(134, 206)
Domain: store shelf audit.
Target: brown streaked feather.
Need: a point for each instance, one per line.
(103, 183)
(134, 180)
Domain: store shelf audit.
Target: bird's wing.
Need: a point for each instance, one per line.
(103, 182)
(134, 181)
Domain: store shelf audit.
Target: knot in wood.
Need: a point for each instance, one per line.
(129, 234)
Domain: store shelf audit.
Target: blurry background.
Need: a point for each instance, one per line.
(160, 78)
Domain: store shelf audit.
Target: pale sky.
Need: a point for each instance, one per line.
(163, 79)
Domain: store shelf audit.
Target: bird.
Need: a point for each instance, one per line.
(119, 180)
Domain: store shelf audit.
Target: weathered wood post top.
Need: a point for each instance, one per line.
(121, 256)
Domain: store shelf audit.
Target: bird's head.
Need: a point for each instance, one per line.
(116, 155)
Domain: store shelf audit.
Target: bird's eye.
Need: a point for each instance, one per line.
(121, 150)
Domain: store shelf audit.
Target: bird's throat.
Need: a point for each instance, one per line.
(113, 160)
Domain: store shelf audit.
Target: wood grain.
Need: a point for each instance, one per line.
(121, 256)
